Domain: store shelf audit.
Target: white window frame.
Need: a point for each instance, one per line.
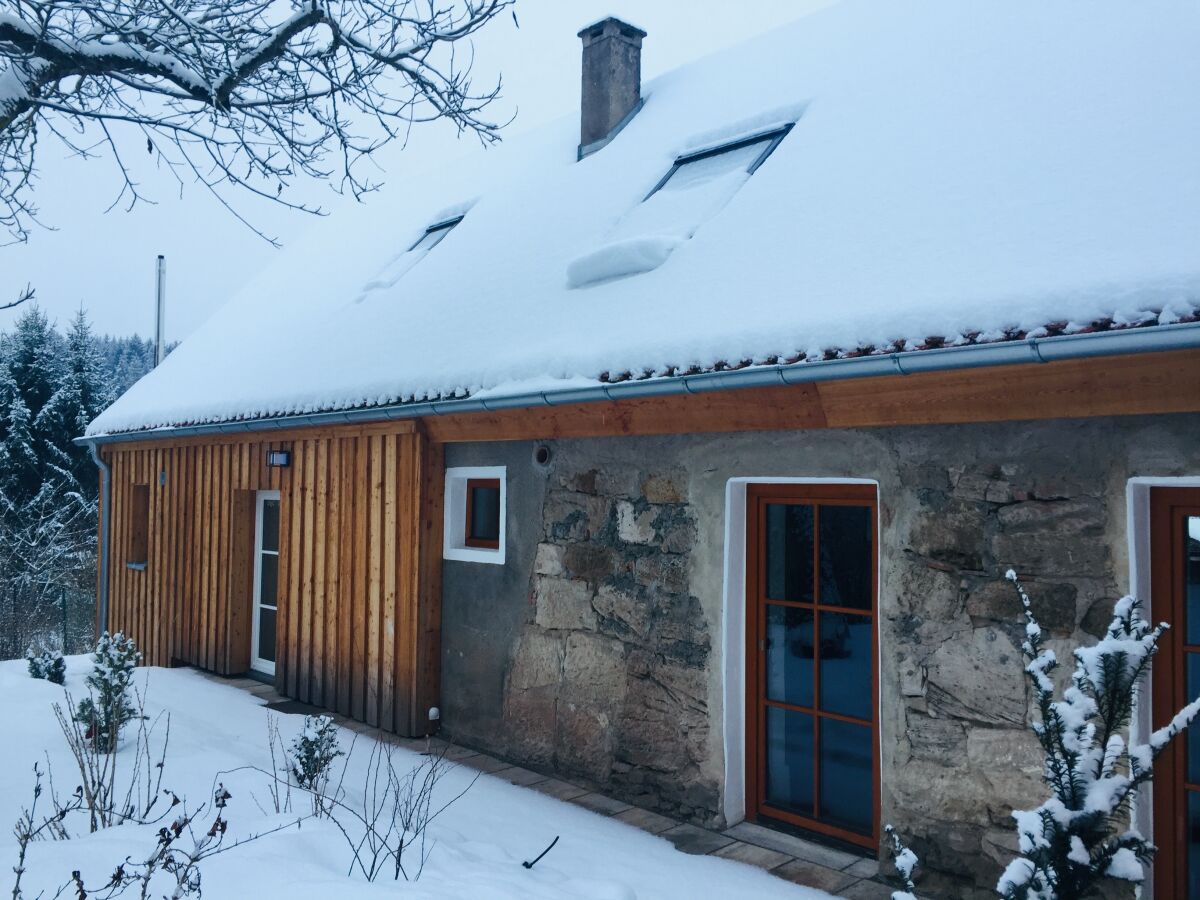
(266, 667)
(454, 532)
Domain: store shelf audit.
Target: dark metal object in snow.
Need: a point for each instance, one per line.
(530, 865)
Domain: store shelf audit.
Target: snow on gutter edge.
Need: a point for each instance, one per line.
(1049, 349)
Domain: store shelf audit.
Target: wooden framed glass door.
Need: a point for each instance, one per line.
(266, 582)
(811, 665)
(1175, 587)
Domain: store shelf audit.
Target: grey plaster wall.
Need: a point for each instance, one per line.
(485, 606)
(596, 651)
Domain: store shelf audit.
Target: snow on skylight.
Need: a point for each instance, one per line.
(402, 262)
(695, 189)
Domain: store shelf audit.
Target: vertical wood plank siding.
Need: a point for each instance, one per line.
(358, 627)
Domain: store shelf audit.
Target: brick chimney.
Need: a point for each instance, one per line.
(612, 81)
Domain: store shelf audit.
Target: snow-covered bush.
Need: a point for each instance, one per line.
(311, 756)
(48, 665)
(108, 706)
(1080, 836)
(905, 861)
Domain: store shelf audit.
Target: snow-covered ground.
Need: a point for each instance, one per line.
(480, 841)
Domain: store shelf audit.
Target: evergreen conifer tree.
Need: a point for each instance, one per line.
(32, 354)
(20, 467)
(82, 394)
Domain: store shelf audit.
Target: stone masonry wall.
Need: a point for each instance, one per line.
(610, 680)
(597, 651)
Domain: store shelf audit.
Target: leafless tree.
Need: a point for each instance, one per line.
(235, 94)
(47, 557)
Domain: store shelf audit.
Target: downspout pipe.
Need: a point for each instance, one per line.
(105, 517)
(1051, 349)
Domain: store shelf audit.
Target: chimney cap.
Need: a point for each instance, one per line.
(610, 25)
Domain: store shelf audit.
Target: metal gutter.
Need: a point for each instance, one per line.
(105, 515)
(1158, 338)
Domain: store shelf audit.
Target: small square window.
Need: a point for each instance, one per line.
(473, 506)
(483, 513)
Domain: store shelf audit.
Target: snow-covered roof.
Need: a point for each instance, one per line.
(956, 171)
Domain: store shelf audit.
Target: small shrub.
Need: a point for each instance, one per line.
(109, 706)
(312, 755)
(48, 665)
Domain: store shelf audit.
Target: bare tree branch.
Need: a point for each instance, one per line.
(26, 294)
(240, 95)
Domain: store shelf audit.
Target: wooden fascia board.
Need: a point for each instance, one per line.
(1135, 384)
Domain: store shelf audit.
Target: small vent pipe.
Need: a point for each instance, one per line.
(160, 302)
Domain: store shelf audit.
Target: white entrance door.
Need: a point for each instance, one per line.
(266, 581)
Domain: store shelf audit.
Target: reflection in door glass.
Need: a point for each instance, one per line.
(790, 654)
(846, 781)
(846, 670)
(790, 760)
(846, 566)
(789, 552)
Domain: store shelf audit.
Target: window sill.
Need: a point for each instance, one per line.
(136, 566)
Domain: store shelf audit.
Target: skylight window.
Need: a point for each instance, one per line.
(434, 234)
(696, 188)
(744, 156)
(406, 259)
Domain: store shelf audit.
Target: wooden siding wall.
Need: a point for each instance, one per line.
(359, 584)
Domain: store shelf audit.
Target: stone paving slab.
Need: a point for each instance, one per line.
(829, 857)
(753, 856)
(600, 803)
(695, 840)
(867, 890)
(487, 764)
(646, 820)
(812, 875)
(559, 789)
(863, 868)
(519, 776)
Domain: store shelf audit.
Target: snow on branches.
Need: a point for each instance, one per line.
(236, 93)
(1079, 836)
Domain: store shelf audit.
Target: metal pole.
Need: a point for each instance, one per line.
(160, 309)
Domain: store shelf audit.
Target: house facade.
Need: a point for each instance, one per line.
(604, 515)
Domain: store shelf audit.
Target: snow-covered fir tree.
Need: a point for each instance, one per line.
(21, 471)
(51, 387)
(33, 355)
(83, 391)
(109, 704)
(1080, 838)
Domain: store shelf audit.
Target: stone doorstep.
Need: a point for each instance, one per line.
(785, 856)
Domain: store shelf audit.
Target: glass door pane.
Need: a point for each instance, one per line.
(813, 606)
(266, 583)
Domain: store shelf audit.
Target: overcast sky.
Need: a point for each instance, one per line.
(105, 261)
